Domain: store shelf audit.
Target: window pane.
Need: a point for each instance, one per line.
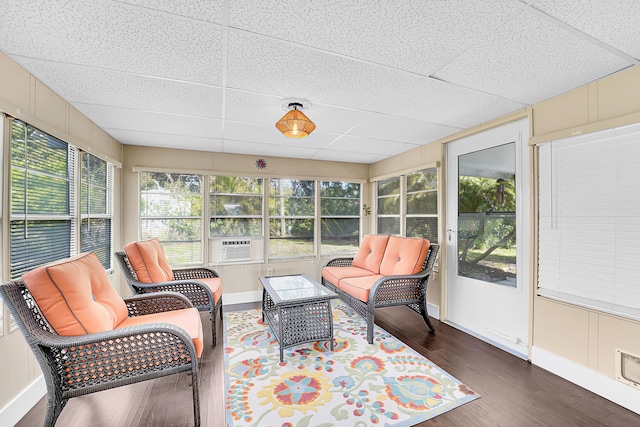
(339, 235)
(422, 203)
(290, 237)
(426, 179)
(389, 205)
(426, 227)
(171, 210)
(389, 186)
(389, 225)
(236, 205)
(291, 197)
(40, 242)
(235, 227)
(42, 178)
(95, 235)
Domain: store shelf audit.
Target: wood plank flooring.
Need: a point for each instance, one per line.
(514, 392)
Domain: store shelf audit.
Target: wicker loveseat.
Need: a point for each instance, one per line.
(386, 271)
(86, 338)
(145, 268)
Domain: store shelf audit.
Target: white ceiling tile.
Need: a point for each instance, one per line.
(415, 36)
(95, 86)
(262, 65)
(616, 23)
(114, 36)
(269, 135)
(154, 122)
(392, 128)
(530, 60)
(151, 139)
(341, 156)
(202, 10)
(369, 145)
(258, 149)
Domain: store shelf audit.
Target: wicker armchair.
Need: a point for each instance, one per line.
(409, 290)
(78, 365)
(186, 283)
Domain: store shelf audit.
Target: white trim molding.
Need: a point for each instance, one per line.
(615, 391)
(15, 410)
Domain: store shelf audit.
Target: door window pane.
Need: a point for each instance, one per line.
(487, 215)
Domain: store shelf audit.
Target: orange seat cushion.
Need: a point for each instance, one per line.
(335, 274)
(359, 287)
(76, 296)
(404, 255)
(187, 319)
(215, 284)
(370, 252)
(149, 261)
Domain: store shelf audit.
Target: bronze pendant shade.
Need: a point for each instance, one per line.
(295, 124)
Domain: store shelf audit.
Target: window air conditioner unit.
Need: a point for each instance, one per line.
(235, 250)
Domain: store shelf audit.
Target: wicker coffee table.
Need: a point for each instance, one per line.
(298, 310)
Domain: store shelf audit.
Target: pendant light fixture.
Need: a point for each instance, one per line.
(295, 124)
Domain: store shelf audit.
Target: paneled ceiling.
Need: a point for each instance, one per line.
(382, 77)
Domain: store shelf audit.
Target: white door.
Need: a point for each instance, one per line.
(486, 240)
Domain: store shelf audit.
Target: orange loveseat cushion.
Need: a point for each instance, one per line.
(149, 261)
(335, 274)
(359, 287)
(404, 255)
(186, 318)
(370, 252)
(76, 296)
(215, 284)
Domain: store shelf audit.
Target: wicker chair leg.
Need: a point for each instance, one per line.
(54, 408)
(370, 326)
(196, 399)
(213, 326)
(425, 316)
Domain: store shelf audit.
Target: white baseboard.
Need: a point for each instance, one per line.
(242, 297)
(434, 310)
(615, 391)
(15, 410)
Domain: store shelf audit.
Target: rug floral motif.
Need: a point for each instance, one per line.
(357, 384)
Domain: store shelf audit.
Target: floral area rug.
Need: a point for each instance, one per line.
(357, 384)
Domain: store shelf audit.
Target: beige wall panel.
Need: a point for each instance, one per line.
(14, 87)
(614, 333)
(594, 327)
(619, 94)
(565, 111)
(432, 152)
(386, 167)
(103, 144)
(561, 329)
(412, 159)
(17, 363)
(50, 108)
(79, 127)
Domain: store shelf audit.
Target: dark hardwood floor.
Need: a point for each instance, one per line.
(514, 392)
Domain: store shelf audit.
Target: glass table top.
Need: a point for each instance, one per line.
(295, 287)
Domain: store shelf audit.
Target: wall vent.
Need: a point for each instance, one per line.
(235, 250)
(628, 368)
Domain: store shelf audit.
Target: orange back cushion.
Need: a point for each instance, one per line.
(149, 261)
(76, 296)
(404, 255)
(370, 252)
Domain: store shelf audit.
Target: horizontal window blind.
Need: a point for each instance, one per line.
(589, 221)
